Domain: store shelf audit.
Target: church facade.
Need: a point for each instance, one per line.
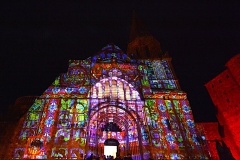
(132, 101)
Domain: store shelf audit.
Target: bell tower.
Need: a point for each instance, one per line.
(142, 44)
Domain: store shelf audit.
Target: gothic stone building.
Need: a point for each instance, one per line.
(112, 103)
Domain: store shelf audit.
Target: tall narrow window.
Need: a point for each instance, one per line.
(107, 90)
(114, 89)
(120, 90)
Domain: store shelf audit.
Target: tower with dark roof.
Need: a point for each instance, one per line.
(142, 44)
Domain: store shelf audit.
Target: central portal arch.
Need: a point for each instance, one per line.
(128, 134)
(114, 101)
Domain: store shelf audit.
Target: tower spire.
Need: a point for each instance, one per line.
(138, 29)
(142, 44)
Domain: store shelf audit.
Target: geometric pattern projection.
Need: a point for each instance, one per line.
(142, 98)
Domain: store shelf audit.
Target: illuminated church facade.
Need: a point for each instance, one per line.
(130, 101)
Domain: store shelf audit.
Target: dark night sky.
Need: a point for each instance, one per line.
(38, 38)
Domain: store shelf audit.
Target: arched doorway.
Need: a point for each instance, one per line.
(111, 147)
(115, 101)
(113, 122)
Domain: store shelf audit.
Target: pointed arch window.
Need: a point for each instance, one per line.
(114, 88)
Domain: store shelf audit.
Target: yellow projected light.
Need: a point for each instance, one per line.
(110, 150)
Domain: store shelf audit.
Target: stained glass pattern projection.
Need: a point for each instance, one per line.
(138, 103)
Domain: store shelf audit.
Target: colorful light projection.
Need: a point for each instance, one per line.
(141, 97)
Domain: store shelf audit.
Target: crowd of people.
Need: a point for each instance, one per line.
(109, 157)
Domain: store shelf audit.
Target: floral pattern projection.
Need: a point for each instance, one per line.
(137, 102)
